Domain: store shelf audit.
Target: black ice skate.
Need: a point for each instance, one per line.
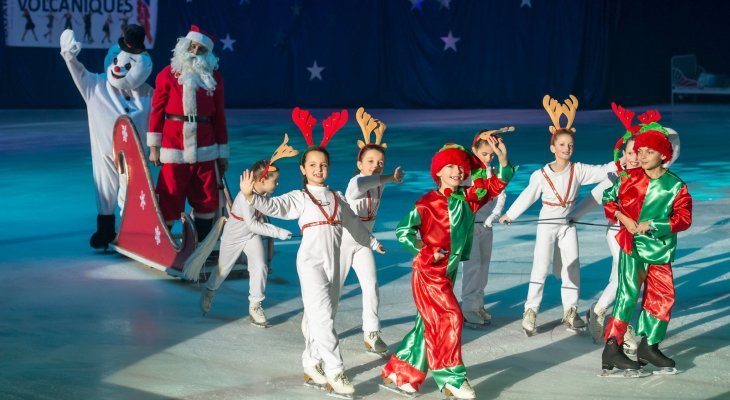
(614, 357)
(104, 234)
(650, 354)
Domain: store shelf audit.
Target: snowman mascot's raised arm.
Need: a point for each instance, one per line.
(120, 90)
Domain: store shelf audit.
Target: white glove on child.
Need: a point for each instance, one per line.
(490, 220)
(284, 234)
(69, 43)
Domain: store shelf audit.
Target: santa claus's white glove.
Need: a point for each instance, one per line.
(69, 43)
(490, 220)
(284, 234)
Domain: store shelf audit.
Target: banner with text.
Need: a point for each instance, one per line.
(98, 24)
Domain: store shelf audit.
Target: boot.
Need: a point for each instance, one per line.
(105, 232)
(614, 357)
(314, 377)
(651, 354)
(256, 314)
(465, 391)
(340, 385)
(572, 321)
(528, 322)
(374, 344)
(206, 300)
(203, 227)
(595, 316)
(630, 344)
(485, 315)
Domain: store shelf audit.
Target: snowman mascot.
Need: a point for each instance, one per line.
(121, 90)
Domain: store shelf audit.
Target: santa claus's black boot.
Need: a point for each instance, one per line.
(105, 232)
(203, 227)
(650, 354)
(614, 357)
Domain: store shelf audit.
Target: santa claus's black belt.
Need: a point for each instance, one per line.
(188, 118)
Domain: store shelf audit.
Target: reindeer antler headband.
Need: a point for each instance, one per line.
(486, 134)
(283, 151)
(555, 110)
(368, 125)
(305, 121)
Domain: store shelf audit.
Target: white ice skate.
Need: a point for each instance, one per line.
(630, 344)
(528, 322)
(406, 389)
(486, 315)
(572, 321)
(474, 320)
(339, 386)
(206, 300)
(256, 315)
(374, 344)
(314, 377)
(595, 317)
(465, 392)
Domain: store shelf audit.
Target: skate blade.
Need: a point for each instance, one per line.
(313, 385)
(332, 393)
(384, 354)
(576, 331)
(396, 390)
(450, 396)
(258, 325)
(625, 374)
(666, 371)
(476, 327)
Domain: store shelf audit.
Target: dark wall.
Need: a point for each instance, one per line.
(381, 53)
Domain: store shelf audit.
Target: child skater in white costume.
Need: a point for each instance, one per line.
(242, 234)
(597, 312)
(322, 215)
(558, 184)
(476, 268)
(363, 194)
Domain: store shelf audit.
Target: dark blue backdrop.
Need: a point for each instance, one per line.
(389, 53)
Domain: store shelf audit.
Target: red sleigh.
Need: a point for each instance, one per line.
(143, 235)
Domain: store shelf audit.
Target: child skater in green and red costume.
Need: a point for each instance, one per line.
(444, 220)
(651, 204)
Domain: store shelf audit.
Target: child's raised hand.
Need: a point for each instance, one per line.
(247, 180)
(398, 175)
(499, 149)
(643, 227)
(380, 249)
(505, 220)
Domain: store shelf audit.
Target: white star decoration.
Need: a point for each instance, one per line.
(450, 41)
(445, 4)
(315, 71)
(526, 3)
(157, 235)
(125, 135)
(296, 8)
(142, 203)
(228, 42)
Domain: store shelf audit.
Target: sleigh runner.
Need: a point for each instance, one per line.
(143, 235)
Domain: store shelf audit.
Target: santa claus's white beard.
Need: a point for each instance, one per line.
(194, 70)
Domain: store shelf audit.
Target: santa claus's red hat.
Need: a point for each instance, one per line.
(200, 36)
(453, 154)
(656, 141)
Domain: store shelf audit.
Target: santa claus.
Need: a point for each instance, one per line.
(120, 91)
(187, 131)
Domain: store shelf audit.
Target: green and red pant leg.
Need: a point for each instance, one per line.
(657, 303)
(434, 343)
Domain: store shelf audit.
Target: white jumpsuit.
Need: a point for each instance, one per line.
(363, 195)
(589, 202)
(558, 191)
(476, 268)
(104, 104)
(242, 233)
(318, 264)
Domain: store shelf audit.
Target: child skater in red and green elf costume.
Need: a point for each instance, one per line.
(651, 204)
(444, 219)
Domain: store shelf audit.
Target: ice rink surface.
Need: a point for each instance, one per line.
(80, 324)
